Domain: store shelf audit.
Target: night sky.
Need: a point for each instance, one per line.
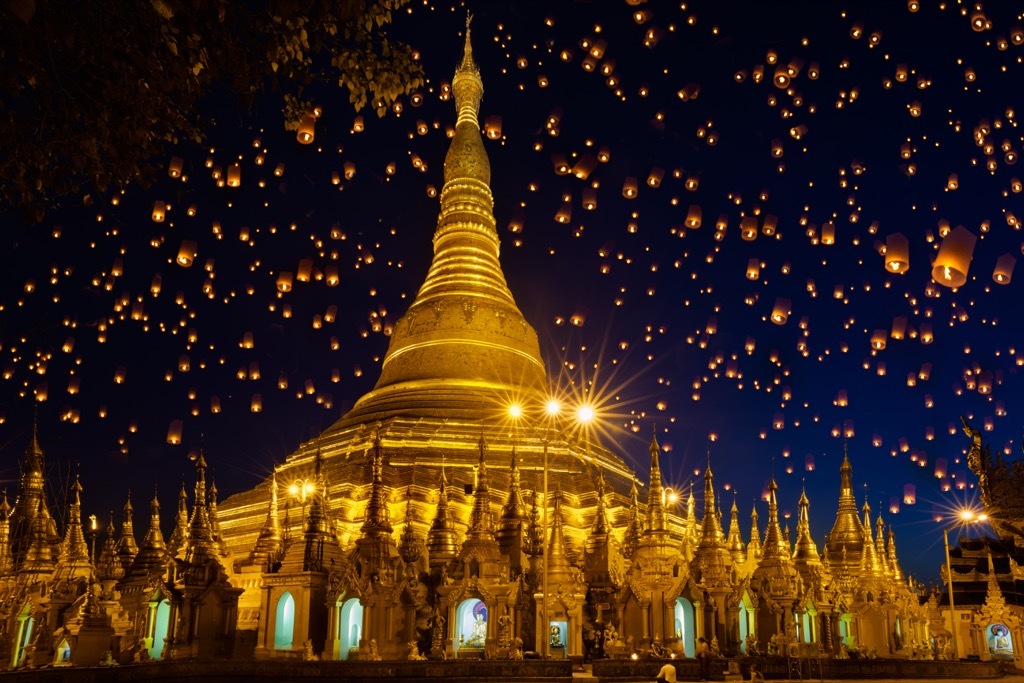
(825, 130)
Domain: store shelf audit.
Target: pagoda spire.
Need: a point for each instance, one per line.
(711, 530)
(152, 557)
(214, 516)
(846, 540)
(754, 547)
(39, 556)
(634, 527)
(513, 514)
(556, 554)
(378, 518)
(736, 546)
(869, 563)
(463, 337)
(880, 536)
(74, 553)
(31, 493)
(774, 543)
(270, 543)
(410, 546)
(656, 518)
(127, 548)
(108, 566)
(481, 523)
(179, 537)
(442, 538)
(601, 515)
(200, 536)
(890, 553)
(806, 551)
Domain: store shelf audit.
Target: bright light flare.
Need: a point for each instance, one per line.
(515, 411)
(585, 414)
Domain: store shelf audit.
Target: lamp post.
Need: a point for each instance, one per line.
(553, 409)
(966, 517)
(93, 531)
(301, 489)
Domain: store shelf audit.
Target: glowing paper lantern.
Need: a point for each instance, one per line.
(897, 253)
(284, 282)
(878, 339)
(234, 175)
(174, 168)
(174, 433)
(629, 188)
(954, 258)
(909, 494)
(781, 311)
(159, 211)
(753, 269)
(1004, 269)
(307, 129)
(186, 253)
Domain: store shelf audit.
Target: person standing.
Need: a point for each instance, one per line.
(667, 674)
(704, 658)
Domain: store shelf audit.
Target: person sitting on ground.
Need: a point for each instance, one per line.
(667, 674)
(755, 675)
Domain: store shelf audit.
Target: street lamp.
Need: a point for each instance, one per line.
(966, 516)
(553, 410)
(301, 489)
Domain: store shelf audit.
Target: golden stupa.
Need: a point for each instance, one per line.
(461, 355)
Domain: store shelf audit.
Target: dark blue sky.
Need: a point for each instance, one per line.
(675, 332)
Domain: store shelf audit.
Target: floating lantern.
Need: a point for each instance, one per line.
(954, 258)
(307, 129)
(1004, 269)
(159, 211)
(174, 168)
(781, 311)
(629, 188)
(748, 228)
(186, 253)
(909, 494)
(234, 175)
(897, 253)
(654, 178)
(878, 339)
(693, 216)
(492, 127)
(174, 433)
(284, 282)
(753, 269)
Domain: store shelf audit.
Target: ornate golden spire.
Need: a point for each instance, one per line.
(559, 570)
(410, 546)
(481, 524)
(152, 557)
(656, 519)
(378, 519)
(39, 556)
(108, 566)
(601, 514)
(635, 527)
(74, 553)
(774, 544)
(271, 541)
(736, 546)
(127, 548)
(870, 563)
(179, 537)
(711, 529)
(806, 550)
(513, 514)
(890, 553)
(847, 531)
(442, 539)
(754, 546)
(463, 345)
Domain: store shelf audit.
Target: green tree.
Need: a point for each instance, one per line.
(92, 91)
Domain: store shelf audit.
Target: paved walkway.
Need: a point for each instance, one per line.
(1010, 678)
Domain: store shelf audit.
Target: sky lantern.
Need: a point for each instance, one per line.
(174, 168)
(748, 228)
(693, 216)
(781, 310)
(234, 175)
(655, 177)
(753, 269)
(899, 327)
(897, 253)
(307, 129)
(174, 432)
(159, 211)
(1004, 269)
(909, 494)
(954, 258)
(284, 281)
(492, 127)
(878, 339)
(256, 405)
(629, 187)
(186, 253)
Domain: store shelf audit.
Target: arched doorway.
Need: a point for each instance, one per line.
(62, 655)
(161, 620)
(846, 630)
(684, 625)
(350, 625)
(470, 624)
(284, 622)
(745, 615)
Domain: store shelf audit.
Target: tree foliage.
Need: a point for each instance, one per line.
(91, 92)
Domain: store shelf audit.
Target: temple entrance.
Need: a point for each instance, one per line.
(284, 623)
(846, 631)
(809, 624)
(999, 641)
(746, 622)
(684, 625)
(161, 620)
(470, 624)
(23, 636)
(350, 625)
(62, 655)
